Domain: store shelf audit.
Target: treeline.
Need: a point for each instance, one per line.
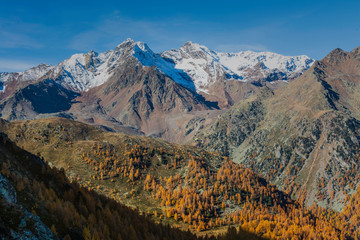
(205, 197)
(73, 212)
(188, 187)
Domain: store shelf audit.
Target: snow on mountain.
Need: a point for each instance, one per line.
(84, 71)
(238, 62)
(205, 66)
(28, 75)
(147, 57)
(194, 66)
(199, 63)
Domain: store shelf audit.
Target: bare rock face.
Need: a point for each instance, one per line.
(141, 97)
(16, 221)
(356, 53)
(303, 137)
(7, 192)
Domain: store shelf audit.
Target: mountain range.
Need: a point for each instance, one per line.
(194, 66)
(178, 185)
(232, 135)
(39, 202)
(304, 137)
(131, 89)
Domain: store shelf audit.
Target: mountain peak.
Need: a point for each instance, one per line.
(129, 40)
(41, 66)
(190, 43)
(336, 55)
(337, 51)
(135, 46)
(92, 52)
(192, 47)
(127, 43)
(260, 65)
(205, 66)
(356, 52)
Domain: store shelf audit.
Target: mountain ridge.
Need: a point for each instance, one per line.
(86, 70)
(134, 90)
(191, 56)
(302, 137)
(180, 185)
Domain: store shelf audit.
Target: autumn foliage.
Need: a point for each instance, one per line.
(206, 195)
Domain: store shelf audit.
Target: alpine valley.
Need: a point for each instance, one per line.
(189, 143)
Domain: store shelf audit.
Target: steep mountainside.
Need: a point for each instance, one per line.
(82, 72)
(139, 96)
(206, 66)
(183, 186)
(304, 137)
(132, 97)
(133, 90)
(10, 82)
(43, 97)
(38, 202)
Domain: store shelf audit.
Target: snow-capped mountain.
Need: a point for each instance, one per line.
(193, 66)
(147, 57)
(198, 62)
(205, 66)
(28, 75)
(84, 71)
(133, 89)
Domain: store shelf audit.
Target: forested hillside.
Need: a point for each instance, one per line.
(178, 185)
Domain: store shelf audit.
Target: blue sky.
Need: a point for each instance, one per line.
(34, 32)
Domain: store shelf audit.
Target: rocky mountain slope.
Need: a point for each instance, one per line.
(120, 90)
(139, 96)
(131, 89)
(303, 137)
(10, 82)
(39, 202)
(183, 186)
(42, 97)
